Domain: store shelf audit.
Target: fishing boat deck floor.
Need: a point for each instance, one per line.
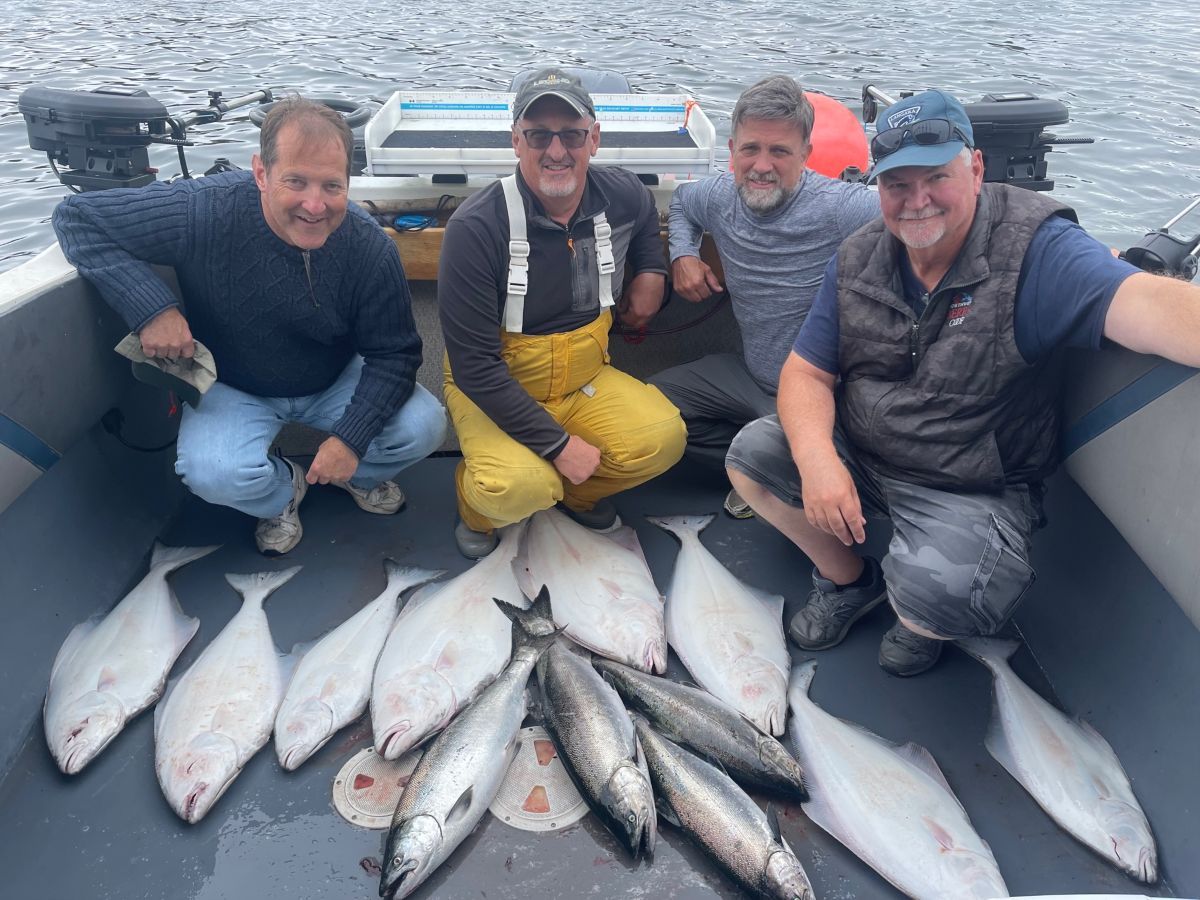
(1106, 641)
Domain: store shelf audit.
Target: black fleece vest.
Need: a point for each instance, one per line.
(947, 400)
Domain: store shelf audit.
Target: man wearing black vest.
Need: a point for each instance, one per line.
(922, 387)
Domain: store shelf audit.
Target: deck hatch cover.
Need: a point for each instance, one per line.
(537, 794)
(367, 789)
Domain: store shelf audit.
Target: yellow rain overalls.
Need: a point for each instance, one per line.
(638, 431)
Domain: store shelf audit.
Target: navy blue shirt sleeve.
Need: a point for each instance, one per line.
(817, 341)
(1068, 280)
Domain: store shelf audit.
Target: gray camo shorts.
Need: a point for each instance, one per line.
(958, 563)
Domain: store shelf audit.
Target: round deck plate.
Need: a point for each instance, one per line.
(537, 794)
(367, 789)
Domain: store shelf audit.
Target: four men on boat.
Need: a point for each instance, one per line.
(302, 301)
(917, 383)
(531, 272)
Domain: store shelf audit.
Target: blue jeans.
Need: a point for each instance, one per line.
(223, 444)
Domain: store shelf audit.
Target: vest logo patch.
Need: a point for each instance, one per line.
(904, 116)
(960, 308)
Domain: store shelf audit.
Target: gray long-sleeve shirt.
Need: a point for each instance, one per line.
(773, 263)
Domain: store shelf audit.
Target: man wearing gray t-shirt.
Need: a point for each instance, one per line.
(775, 226)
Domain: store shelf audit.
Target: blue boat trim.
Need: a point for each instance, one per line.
(412, 104)
(1124, 403)
(25, 443)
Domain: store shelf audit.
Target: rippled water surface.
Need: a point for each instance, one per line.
(1129, 72)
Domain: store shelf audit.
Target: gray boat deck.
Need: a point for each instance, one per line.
(1109, 644)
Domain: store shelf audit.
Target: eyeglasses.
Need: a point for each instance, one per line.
(541, 138)
(924, 133)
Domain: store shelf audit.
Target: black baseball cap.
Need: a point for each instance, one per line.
(553, 83)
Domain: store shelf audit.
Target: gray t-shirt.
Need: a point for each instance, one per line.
(773, 263)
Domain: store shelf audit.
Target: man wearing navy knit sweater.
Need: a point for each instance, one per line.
(303, 303)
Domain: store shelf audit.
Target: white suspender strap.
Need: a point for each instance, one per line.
(518, 257)
(605, 264)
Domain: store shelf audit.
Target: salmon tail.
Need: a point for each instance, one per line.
(989, 651)
(681, 526)
(533, 627)
(171, 558)
(258, 586)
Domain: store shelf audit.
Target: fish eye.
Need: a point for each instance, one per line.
(397, 861)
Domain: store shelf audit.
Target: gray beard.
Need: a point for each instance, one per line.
(763, 202)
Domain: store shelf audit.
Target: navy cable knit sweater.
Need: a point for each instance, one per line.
(275, 329)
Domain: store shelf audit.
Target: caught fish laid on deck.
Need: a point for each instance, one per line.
(695, 718)
(889, 805)
(449, 643)
(604, 594)
(597, 744)
(1068, 768)
(729, 635)
(719, 816)
(111, 667)
(221, 710)
(332, 682)
(459, 775)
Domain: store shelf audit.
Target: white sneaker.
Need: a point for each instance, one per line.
(280, 534)
(383, 499)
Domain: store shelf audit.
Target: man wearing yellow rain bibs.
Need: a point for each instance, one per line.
(531, 270)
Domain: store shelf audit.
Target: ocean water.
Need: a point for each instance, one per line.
(1129, 73)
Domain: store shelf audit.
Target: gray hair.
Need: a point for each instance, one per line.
(314, 119)
(776, 98)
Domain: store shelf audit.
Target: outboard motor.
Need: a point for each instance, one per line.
(1010, 129)
(100, 136)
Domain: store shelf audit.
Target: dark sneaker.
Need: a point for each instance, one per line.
(601, 517)
(736, 507)
(383, 499)
(474, 544)
(830, 612)
(277, 535)
(903, 652)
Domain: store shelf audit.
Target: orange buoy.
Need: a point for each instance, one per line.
(838, 139)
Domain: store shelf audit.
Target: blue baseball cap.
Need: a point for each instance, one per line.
(927, 129)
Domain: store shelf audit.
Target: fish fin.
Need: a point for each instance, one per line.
(401, 578)
(287, 668)
(989, 651)
(448, 658)
(520, 569)
(185, 629)
(256, 587)
(627, 538)
(773, 821)
(421, 594)
(105, 679)
(666, 812)
(461, 807)
(996, 741)
(74, 641)
(531, 627)
(1099, 743)
(923, 760)
(302, 649)
(171, 558)
(774, 602)
(801, 678)
(682, 525)
(639, 756)
(162, 704)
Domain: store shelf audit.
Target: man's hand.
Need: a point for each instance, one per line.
(831, 501)
(694, 279)
(167, 335)
(334, 462)
(642, 300)
(578, 460)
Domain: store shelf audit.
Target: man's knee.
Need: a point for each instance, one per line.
(510, 494)
(651, 449)
(225, 483)
(416, 431)
(967, 590)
